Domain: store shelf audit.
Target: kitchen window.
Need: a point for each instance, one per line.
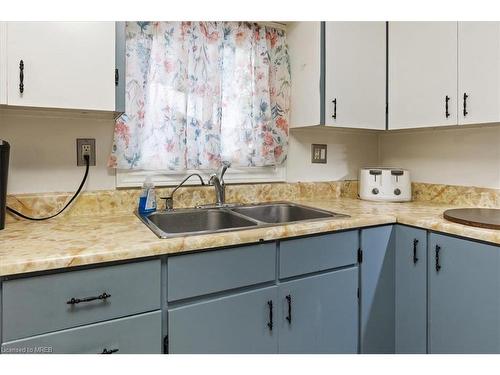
(199, 94)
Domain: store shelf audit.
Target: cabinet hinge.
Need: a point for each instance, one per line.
(360, 256)
(165, 345)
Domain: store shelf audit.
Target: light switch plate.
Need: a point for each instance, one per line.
(318, 153)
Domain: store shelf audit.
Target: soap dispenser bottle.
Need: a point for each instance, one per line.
(147, 200)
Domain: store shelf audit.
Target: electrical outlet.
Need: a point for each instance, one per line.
(318, 153)
(85, 146)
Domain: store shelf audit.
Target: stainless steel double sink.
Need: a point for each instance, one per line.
(194, 221)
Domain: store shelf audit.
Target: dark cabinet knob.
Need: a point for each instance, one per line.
(375, 191)
(397, 191)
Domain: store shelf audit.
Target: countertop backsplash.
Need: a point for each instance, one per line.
(105, 202)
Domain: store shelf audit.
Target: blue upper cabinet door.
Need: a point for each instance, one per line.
(240, 323)
(319, 314)
(377, 290)
(411, 290)
(463, 296)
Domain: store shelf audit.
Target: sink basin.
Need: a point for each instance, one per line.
(195, 221)
(192, 221)
(283, 212)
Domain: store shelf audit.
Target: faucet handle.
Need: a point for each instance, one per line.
(169, 203)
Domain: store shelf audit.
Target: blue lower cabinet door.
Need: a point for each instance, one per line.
(239, 323)
(464, 296)
(319, 314)
(139, 334)
(377, 290)
(411, 290)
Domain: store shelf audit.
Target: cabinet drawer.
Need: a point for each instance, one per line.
(312, 254)
(37, 305)
(213, 271)
(140, 334)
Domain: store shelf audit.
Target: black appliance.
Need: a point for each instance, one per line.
(4, 172)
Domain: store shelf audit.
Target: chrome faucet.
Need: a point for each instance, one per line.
(217, 181)
(169, 201)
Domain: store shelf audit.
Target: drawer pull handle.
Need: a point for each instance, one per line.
(465, 104)
(415, 243)
(21, 76)
(289, 300)
(270, 323)
(334, 101)
(74, 301)
(438, 264)
(447, 100)
(109, 351)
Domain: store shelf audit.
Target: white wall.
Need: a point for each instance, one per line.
(43, 152)
(455, 156)
(43, 157)
(347, 151)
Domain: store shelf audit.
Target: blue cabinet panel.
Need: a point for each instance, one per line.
(411, 290)
(318, 253)
(464, 296)
(197, 274)
(41, 304)
(139, 334)
(377, 290)
(319, 314)
(238, 323)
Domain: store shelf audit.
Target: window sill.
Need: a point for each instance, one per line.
(125, 178)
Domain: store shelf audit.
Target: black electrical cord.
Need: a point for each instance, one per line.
(17, 213)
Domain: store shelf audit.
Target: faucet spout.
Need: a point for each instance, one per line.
(217, 181)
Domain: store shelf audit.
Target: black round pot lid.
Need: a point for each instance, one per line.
(488, 218)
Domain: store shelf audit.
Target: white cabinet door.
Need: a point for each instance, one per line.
(3, 62)
(66, 64)
(422, 74)
(355, 92)
(304, 48)
(478, 72)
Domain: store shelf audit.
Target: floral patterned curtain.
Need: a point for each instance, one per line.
(199, 93)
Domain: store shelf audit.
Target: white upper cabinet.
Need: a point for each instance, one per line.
(61, 65)
(304, 48)
(3, 62)
(478, 72)
(355, 79)
(342, 61)
(422, 74)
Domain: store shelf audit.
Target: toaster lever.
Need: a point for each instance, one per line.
(397, 172)
(375, 172)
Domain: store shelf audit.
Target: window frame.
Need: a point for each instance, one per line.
(236, 175)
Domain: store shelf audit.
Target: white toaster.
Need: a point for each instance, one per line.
(385, 184)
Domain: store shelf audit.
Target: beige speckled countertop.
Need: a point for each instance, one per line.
(75, 241)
